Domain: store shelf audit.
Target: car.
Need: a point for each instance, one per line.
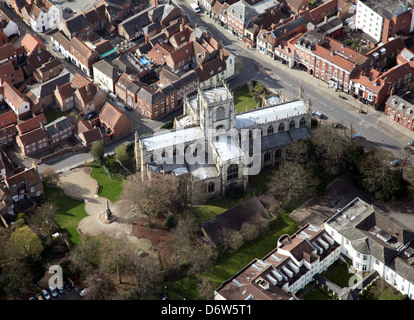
(128, 108)
(59, 289)
(39, 296)
(337, 126)
(83, 292)
(67, 286)
(411, 143)
(3, 106)
(195, 7)
(53, 292)
(91, 115)
(68, 10)
(32, 298)
(395, 163)
(317, 114)
(45, 294)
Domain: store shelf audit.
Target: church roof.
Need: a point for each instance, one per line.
(227, 149)
(270, 114)
(172, 138)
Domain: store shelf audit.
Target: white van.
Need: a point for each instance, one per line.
(195, 7)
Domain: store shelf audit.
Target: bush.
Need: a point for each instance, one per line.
(234, 192)
(171, 221)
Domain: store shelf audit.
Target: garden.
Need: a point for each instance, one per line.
(249, 97)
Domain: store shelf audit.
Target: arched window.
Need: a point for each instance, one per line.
(220, 127)
(278, 153)
(232, 172)
(267, 157)
(292, 124)
(302, 122)
(281, 127)
(270, 129)
(220, 114)
(211, 187)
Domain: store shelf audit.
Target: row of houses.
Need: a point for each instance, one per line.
(35, 134)
(358, 233)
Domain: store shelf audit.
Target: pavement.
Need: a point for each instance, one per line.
(79, 184)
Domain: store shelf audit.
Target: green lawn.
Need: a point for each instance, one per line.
(230, 264)
(211, 209)
(52, 115)
(109, 188)
(69, 212)
(339, 274)
(243, 101)
(317, 293)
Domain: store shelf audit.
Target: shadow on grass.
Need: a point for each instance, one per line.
(69, 212)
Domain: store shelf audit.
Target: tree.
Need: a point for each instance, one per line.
(121, 153)
(378, 179)
(116, 255)
(49, 174)
(43, 220)
(291, 181)
(231, 240)
(26, 242)
(85, 257)
(155, 194)
(99, 286)
(98, 151)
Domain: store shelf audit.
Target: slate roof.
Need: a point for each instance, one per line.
(108, 69)
(58, 125)
(77, 23)
(46, 88)
(242, 11)
(250, 210)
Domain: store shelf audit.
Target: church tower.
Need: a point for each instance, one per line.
(217, 113)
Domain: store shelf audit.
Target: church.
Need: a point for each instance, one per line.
(218, 149)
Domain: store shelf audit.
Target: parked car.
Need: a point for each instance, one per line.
(53, 292)
(39, 296)
(127, 108)
(411, 143)
(83, 292)
(67, 286)
(91, 115)
(59, 289)
(395, 163)
(45, 294)
(337, 126)
(68, 10)
(317, 114)
(32, 298)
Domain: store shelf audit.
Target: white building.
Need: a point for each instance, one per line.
(43, 15)
(373, 242)
(369, 21)
(285, 270)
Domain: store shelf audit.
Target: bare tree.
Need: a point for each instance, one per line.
(99, 286)
(151, 195)
(116, 255)
(231, 240)
(49, 174)
(291, 181)
(43, 220)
